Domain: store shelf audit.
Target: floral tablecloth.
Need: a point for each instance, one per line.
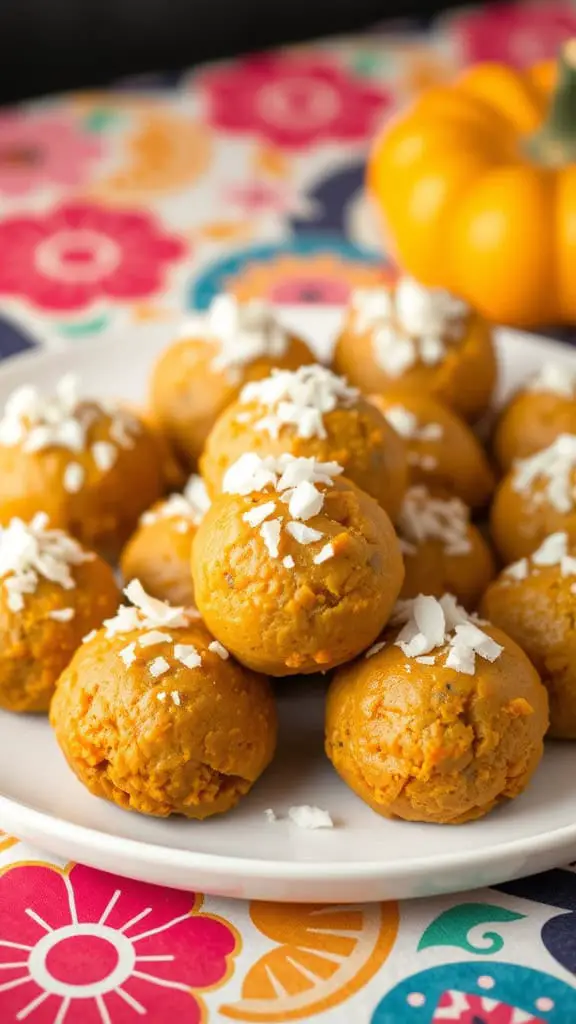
(120, 210)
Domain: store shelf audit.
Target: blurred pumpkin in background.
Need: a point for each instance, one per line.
(476, 182)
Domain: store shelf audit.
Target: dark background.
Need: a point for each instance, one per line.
(48, 45)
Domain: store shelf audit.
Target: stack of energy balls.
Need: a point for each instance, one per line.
(326, 520)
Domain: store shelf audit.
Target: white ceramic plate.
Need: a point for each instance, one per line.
(240, 854)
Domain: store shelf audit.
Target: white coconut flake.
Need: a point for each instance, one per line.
(270, 815)
(128, 654)
(242, 333)
(299, 399)
(305, 501)
(324, 554)
(255, 516)
(306, 816)
(153, 637)
(288, 562)
(152, 611)
(217, 648)
(517, 570)
(189, 507)
(104, 455)
(554, 468)
(428, 312)
(270, 533)
(176, 698)
(552, 550)
(407, 425)
(188, 655)
(161, 696)
(375, 649)
(158, 667)
(62, 614)
(442, 627)
(554, 379)
(424, 517)
(303, 534)
(371, 306)
(89, 636)
(29, 551)
(73, 479)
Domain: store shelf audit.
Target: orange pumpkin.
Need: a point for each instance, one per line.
(477, 185)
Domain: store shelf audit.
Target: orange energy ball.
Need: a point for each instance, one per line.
(535, 499)
(153, 715)
(442, 450)
(423, 340)
(92, 467)
(440, 721)
(294, 569)
(534, 602)
(158, 553)
(199, 375)
(536, 415)
(443, 551)
(311, 412)
(52, 593)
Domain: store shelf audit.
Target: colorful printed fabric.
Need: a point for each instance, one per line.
(126, 208)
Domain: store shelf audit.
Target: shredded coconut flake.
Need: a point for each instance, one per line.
(443, 626)
(29, 551)
(270, 533)
(324, 554)
(424, 517)
(412, 323)
(242, 332)
(148, 613)
(161, 696)
(217, 648)
(62, 614)
(288, 562)
(309, 817)
(406, 424)
(554, 550)
(128, 654)
(270, 815)
(187, 655)
(104, 455)
(518, 570)
(74, 476)
(256, 516)
(158, 667)
(554, 467)
(375, 649)
(155, 636)
(299, 399)
(426, 659)
(303, 534)
(89, 636)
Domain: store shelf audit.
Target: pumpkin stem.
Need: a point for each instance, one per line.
(555, 143)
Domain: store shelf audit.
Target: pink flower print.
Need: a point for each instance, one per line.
(465, 1008)
(38, 150)
(86, 947)
(517, 34)
(262, 197)
(292, 102)
(65, 260)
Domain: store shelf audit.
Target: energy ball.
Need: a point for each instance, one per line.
(439, 722)
(443, 551)
(200, 374)
(311, 412)
(425, 340)
(535, 499)
(52, 593)
(534, 601)
(442, 450)
(91, 466)
(294, 569)
(158, 554)
(153, 715)
(536, 415)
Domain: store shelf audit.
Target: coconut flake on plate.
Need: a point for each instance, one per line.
(309, 817)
